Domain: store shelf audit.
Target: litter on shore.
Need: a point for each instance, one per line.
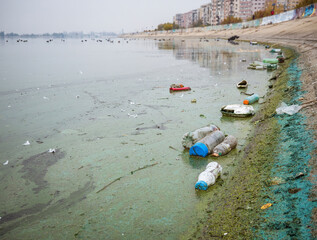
(209, 176)
(205, 146)
(290, 110)
(214, 143)
(230, 142)
(265, 206)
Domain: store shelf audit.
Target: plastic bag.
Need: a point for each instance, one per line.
(290, 110)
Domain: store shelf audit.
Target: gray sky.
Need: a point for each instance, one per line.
(40, 16)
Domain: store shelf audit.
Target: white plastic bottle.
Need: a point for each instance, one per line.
(226, 146)
(206, 145)
(209, 176)
(190, 138)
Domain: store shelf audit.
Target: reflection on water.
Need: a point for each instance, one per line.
(216, 55)
(119, 170)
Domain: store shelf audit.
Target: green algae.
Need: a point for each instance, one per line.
(235, 210)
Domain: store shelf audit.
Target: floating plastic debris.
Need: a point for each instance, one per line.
(81, 73)
(52, 150)
(133, 115)
(77, 96)
(229, 143)
(9, 106)
(237, 110)
(181, 96)
(251, 99)
(26, 143)
(206, 145)
(190, 138)
(46, 98)
(6, 163)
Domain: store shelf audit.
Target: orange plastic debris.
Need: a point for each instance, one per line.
(265, 206)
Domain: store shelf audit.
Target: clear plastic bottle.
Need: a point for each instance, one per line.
(226, 146)
(206, 145)
(209, 176)
(190, 138)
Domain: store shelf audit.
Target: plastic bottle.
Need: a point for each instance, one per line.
(225, 147)
(209, 176)
(206, 145)
(270, 60)
(251, 99)
(190, 138)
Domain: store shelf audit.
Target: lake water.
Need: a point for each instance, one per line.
(119, 171)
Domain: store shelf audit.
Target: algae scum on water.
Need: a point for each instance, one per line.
(119, 169)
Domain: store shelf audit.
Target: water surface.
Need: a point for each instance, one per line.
(119, 171)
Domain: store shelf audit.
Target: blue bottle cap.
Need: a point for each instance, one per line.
(199, 149)
(201, 185)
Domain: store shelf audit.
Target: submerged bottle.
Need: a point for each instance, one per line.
(225, 147)
(190, 138)
(206, 145)
(209, 176)
(251, 99)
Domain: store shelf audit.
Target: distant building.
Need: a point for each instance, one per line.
(246, 7)
(205, 11)
(179, 20)
(258, 5)
(217, 12)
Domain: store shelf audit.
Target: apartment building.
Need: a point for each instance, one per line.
(258, 5)
(216, 11)
(179, 20)
(246, 9)
(206, 14)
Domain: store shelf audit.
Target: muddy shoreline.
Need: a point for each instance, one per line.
(278, 165)
(235, 210)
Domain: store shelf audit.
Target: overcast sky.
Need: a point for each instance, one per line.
(41, 16)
